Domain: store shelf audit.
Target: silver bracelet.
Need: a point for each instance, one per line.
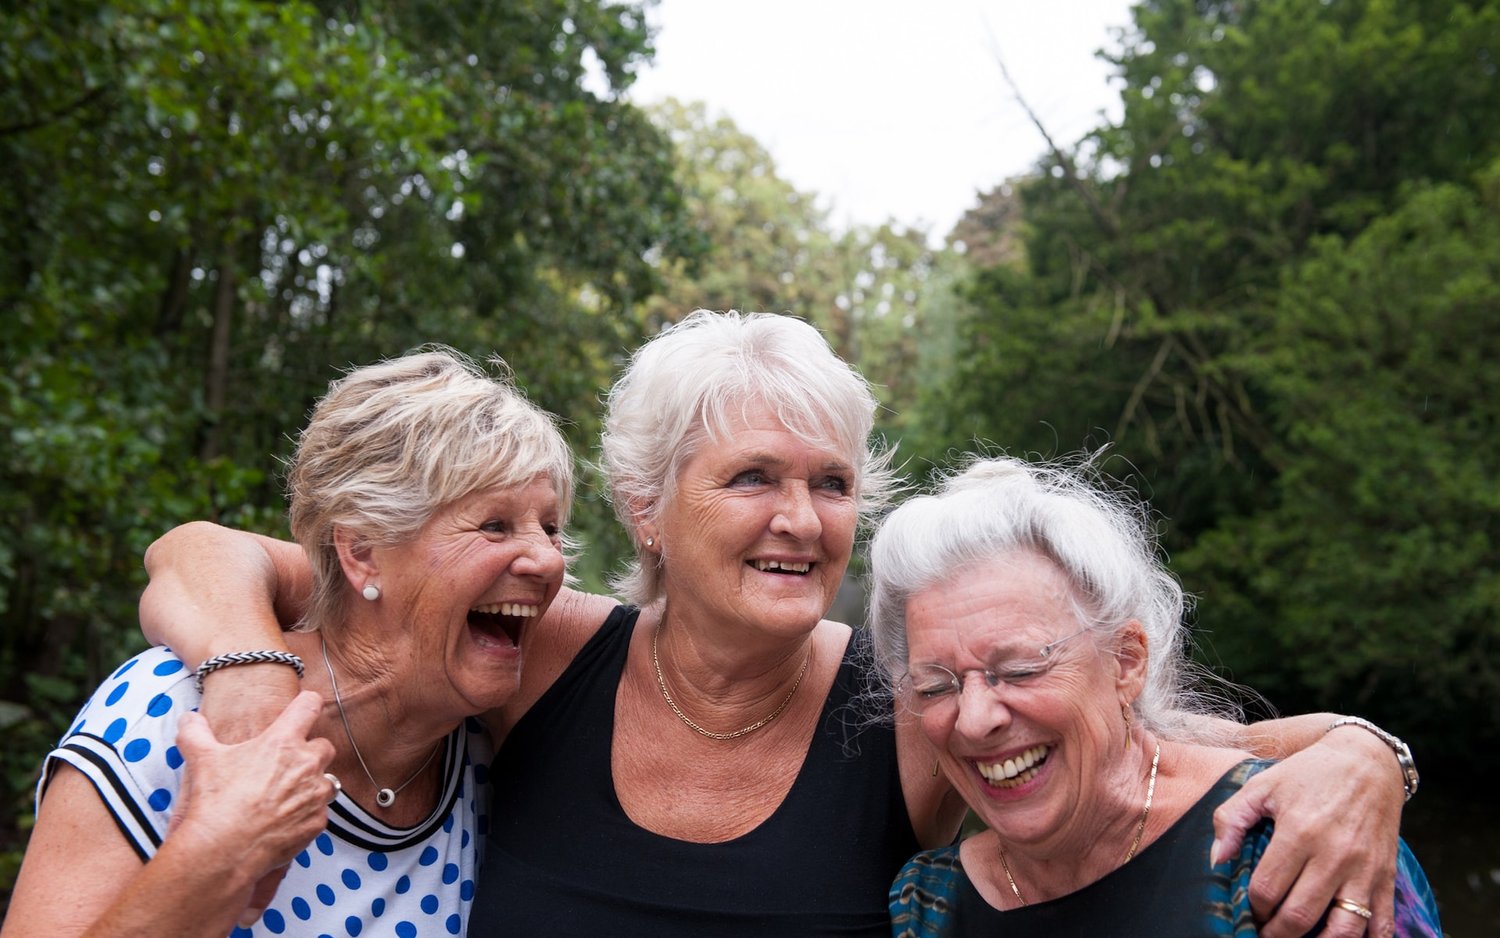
(1409, 777)
(213, 664)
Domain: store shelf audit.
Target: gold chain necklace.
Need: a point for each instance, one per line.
(661, 682)
(1134, 844)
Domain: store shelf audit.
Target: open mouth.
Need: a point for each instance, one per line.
(501, 623)
(1017, 770)
(781, 566)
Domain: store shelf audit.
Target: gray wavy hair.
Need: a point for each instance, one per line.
(392, 443)
(1104, 542)
(682, 388)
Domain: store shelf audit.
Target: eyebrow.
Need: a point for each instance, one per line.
(766, 458)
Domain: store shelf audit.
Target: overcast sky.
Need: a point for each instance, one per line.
(890, 108)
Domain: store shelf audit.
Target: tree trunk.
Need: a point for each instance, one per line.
(216, 381)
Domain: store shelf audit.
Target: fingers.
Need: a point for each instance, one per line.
(261, 896)
(1233, 819)
(299, 716)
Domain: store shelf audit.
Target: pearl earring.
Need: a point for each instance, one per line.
(371, 592)
(650, 542)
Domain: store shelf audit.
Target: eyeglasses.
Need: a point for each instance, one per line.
(933, 688)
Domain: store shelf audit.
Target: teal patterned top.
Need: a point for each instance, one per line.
(1168, 889)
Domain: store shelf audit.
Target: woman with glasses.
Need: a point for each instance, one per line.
(1025, 621)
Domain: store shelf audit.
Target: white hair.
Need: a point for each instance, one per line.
(685, 386)
(1104, 543)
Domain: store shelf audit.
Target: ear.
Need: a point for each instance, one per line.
(355, 557)
(1132, 654)
(643, 521)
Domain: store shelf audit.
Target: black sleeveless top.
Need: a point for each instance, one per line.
(563, 858)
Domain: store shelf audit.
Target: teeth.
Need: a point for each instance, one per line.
(767, 565)
(1007, 774)
(523, 610)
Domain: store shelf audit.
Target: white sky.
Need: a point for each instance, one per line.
(890, 109)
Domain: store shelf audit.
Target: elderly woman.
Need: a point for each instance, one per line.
(429, 501)
(1025, 620)
(697, 762)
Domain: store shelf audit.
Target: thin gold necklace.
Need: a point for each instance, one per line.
(661, 682)
(1134, 844)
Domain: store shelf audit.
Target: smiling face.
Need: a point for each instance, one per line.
(1037, 755)
(760, 529)
(457, 598)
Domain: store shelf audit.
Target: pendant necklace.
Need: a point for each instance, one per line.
(385, 797)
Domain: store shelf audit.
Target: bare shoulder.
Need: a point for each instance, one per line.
(549, 646)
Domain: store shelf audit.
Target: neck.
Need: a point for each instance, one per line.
(1088, 852)
(394, 738)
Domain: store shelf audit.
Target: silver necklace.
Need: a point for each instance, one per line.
(1139, 829)
(385, 797)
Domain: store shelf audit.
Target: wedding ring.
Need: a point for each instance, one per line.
(338, 787)
(1350, 906)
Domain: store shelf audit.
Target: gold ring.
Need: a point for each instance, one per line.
(1351, 906)
(338, 787)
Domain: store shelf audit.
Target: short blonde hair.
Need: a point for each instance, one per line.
(392, 443)
(683, 387)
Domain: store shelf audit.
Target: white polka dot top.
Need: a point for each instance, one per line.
(360, 877)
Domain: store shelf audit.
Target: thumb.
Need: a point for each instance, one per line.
(194, 734)
(1232, 820)
(297, 720)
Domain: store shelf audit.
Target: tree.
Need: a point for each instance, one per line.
(1181, 298)
(216, 203)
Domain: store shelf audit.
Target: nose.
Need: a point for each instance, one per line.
(540, 558)
(981, 711)
(797, 515)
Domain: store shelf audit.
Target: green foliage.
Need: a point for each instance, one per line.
(1271, 286)
(213, 205)
(1376, 356)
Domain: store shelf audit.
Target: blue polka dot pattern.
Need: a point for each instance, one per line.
(416, 881)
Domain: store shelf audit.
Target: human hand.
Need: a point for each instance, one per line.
(260, 801)
(1337, 812)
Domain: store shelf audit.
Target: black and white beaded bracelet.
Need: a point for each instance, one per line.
(213, 664)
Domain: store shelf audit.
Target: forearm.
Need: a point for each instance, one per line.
(213, 590)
